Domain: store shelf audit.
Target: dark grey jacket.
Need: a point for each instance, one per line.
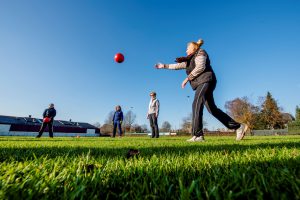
(206, 75)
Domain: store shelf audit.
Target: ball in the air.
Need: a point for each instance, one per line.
(119, 58)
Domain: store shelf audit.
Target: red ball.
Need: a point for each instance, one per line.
(119, 58)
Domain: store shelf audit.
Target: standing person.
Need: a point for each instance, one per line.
(152, 114)
(203, 80)
(117, 121)
(48, 119)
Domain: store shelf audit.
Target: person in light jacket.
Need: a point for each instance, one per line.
(152, 115)
(203, 81)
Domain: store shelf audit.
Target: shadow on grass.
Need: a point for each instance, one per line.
(43, 139)
(29, 153)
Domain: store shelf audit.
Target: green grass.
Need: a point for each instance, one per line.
(167, 168)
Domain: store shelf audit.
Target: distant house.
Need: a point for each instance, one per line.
(28, 126)
(287, 118)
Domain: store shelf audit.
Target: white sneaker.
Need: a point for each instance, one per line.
(192, 139)
(240, 132)
(199, 139)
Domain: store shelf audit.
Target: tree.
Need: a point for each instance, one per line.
(243, 111)
(97, 124)
(136, 128)
(270, 113)
(129, 119)
(187, 123)
(297, 116)
(294, 126)
(166, 126)
(144, 128)
(107, 127)
(109, 117)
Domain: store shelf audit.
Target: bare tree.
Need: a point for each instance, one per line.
(166, 126)
(109, 118)
(97, 124)
(107, 127)
(129, 119)
(243, 111)
(187, 123)
(144, 128)
(136, 128)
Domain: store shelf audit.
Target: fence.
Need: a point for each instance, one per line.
(270, 132)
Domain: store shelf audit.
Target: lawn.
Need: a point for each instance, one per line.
(261, 167)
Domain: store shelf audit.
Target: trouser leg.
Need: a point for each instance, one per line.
(42, 129)
(198, 104)
(156, 130)
(119, 129)
(152, 125)
(216, 112)
(115, 129)
(50, 127)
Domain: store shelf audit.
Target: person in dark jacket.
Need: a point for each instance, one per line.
(48, 119)
(117, 121)
(203, 80)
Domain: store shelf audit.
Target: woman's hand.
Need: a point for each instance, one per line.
(184, 82)
(159, 66)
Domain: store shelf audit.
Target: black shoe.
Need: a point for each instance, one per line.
(37, 136)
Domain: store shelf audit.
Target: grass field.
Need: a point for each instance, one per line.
(167, 168)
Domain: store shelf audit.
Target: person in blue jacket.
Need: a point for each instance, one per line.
(117, 121)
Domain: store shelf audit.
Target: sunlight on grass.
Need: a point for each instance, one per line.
(168, 167)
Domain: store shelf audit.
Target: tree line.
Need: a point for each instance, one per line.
(265, 115)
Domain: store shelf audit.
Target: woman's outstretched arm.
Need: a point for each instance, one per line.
(176, 66)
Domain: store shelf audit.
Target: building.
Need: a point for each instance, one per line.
(28, 126)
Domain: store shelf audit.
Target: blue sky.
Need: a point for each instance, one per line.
(62, 52)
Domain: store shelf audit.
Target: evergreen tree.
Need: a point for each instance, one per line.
(297, 114)
(270, 113)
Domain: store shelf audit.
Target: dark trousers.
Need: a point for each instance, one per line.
(154, 125)
(204, 96)
(117, 125)
(43, 127)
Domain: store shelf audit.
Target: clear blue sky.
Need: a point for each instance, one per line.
(62, 52)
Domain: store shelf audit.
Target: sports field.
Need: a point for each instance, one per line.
(167, 168)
